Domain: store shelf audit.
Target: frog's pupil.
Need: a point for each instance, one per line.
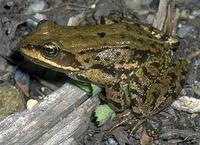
(50, 50)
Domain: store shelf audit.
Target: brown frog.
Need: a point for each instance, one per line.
(118, 57)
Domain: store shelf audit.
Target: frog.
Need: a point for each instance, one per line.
(118, 56)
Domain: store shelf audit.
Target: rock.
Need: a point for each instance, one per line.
(10, 100)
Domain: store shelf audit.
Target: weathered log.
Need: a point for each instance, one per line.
(60, 118)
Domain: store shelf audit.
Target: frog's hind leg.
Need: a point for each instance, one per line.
(160, 94)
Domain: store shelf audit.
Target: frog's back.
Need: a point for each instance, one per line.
(90, 37)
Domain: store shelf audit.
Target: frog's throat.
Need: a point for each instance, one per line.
(37, 57)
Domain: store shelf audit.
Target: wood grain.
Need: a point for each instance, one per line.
(60, 118)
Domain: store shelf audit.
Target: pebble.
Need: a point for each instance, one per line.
(31, 103)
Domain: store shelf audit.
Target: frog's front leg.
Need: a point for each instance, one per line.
(115, 95)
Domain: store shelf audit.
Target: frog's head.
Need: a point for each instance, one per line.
(45, 47)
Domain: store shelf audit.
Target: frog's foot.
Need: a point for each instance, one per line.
(108, 132)
(122, 118)
(116, 97)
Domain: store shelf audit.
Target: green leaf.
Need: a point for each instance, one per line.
(95, 90)
(90, 89)
(104, 113)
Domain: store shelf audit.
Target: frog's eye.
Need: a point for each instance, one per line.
(50, 50)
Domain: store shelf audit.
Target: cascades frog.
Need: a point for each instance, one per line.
(117, 56)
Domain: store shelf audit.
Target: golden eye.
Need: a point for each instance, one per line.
(50, 50)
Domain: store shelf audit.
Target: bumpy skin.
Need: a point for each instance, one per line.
(116, 56)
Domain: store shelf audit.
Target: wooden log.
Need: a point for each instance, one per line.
(60, 118)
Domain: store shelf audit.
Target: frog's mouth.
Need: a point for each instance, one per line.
(36, 57)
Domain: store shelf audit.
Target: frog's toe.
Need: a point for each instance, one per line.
(114, 126)
(120, 119)
(136, 126)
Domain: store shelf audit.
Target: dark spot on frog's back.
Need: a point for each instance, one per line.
(116, 87)
(107, 69)
(156, 64)
(107, 59)
(141, 56)
(123, 61)
(101, 34)
(118, 53)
